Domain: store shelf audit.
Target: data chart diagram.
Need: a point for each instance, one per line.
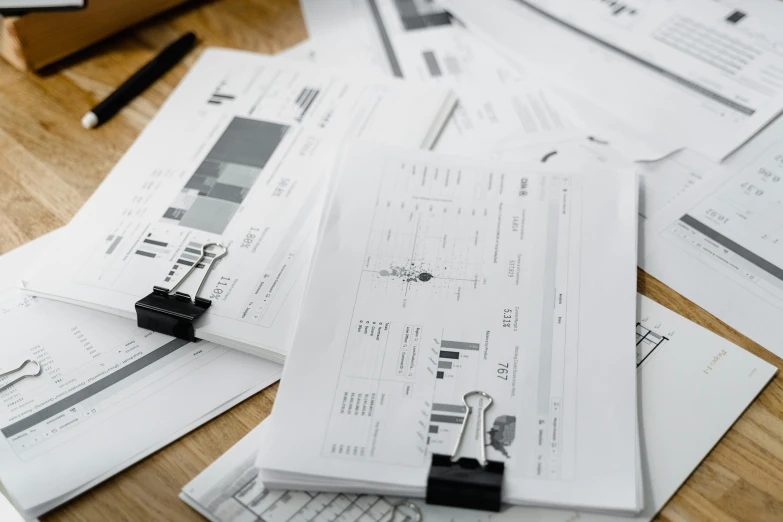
(647, 341)
(738, 228)
(429, 251)
(458, 359)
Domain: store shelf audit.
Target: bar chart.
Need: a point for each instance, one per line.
(305, 100)
(187, 258)
(458, 364)
(450, 354)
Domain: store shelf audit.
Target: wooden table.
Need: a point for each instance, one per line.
(49, 166)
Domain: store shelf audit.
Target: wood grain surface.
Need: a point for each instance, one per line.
(49, 166)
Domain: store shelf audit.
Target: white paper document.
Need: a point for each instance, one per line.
(438, 275)
(109, 395)
(710, 231)
(721, 245)
(696, 74)
(693, 385)
(418, 40)
(8, 512)
(239, 154)
(662, 183)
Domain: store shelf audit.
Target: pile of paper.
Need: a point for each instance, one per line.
(241, 154)
(457, 275)
(436, 226)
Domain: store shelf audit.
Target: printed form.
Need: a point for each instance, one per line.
(240, 155)
(455, 275)
(693, 384)
(420, 41)
(109, 395)
(721, 245)
(697, 74)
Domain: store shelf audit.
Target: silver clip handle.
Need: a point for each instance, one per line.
(482, 414)
(38, 372)
(410, 505)
(221, 253)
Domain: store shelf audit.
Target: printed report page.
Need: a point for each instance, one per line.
(717, 67)
(453, 276)
(421, 41)
(238, 155)
(102, 379)
(721, 245)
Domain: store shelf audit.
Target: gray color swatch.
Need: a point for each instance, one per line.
(459, 345)
(432, 63)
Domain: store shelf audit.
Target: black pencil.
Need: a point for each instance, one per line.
(137, 83)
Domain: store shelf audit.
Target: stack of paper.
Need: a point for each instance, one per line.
(359, 403)
(457, 275)
(239, 155)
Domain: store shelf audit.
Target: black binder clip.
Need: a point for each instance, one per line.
(173, 313)
(467, 482)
